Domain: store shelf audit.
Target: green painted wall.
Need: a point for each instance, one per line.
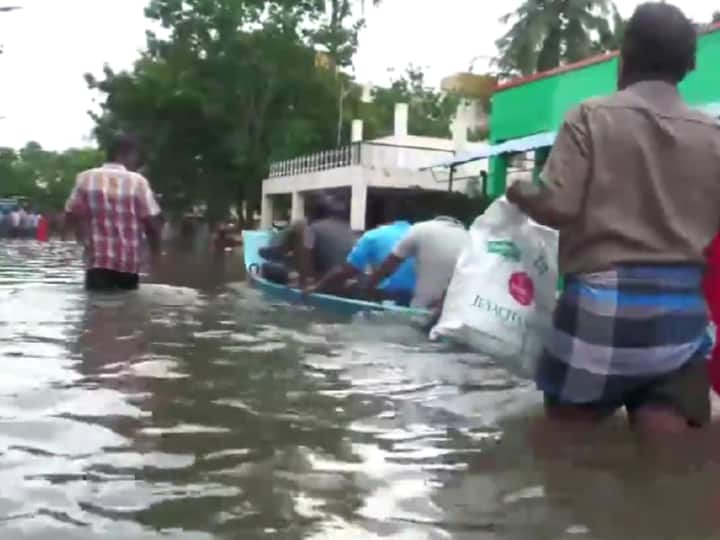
(496, 177)
(540, 105)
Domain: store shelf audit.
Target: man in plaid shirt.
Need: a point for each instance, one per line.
(113, 209)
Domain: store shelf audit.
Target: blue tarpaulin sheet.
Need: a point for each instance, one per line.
(713, 109)
(522, 144)
(525, 144)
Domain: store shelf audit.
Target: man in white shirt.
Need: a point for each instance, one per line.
(15, 223)
(435, 245)
(27, 223)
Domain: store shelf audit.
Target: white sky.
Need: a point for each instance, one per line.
(50, 44)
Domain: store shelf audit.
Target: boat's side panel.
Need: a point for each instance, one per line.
(252, 242)
(334, 303)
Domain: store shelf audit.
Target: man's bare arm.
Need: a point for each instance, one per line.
(535, 201)
(386, 269)
(337, 276)
(153, 233)
(559, 199)
(74, 223)
(301, 252)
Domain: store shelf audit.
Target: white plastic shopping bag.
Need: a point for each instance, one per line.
(502, 295)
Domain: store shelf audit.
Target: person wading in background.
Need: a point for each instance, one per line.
(112, 208)
(633, 186)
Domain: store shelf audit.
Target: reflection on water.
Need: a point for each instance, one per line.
(196, 409)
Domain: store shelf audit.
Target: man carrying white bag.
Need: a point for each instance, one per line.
(501, 297)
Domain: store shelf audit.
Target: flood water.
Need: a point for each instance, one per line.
(196, 409)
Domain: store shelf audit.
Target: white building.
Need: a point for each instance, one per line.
(363, 169)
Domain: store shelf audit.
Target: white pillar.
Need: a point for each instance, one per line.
(357, 131)
(459, 129)
(266, 212)
(297, 206)
(401, 120)
(358, 205)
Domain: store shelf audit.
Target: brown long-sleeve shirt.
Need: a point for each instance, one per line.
(633, 178)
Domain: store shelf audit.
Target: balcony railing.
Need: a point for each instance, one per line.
(344, 156)
(366, 154)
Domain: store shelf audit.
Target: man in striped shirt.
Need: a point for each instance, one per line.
(113, 209)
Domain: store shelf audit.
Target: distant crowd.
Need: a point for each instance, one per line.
(21, 222)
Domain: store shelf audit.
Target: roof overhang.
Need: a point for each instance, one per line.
(525, 144)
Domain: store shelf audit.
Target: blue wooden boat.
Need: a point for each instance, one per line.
(253, 241)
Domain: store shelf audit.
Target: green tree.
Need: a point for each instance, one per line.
(338, 31)
(430, 111)
(611, 38)
(9, 182)
(232, 86)
(547, 33)
(59, 178)
(44, 177)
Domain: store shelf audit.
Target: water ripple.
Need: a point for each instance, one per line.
(196, 409)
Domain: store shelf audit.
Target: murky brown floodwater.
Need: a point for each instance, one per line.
(195, 409)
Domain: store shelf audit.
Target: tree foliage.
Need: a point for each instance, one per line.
(430, 111)
(544, 34)
(233, 85)
(228, 86)
(44, 177)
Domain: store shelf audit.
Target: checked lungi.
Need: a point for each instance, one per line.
(617, 331)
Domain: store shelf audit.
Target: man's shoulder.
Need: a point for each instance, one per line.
(591, 105)
(621, 99)
(88, 173)
(424, 228)
(629, 98)
(370, 235)
(700, 117)
(110, 169)
(442, 222)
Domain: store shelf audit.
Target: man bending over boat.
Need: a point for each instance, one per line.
(314, 247)
(633, 186)
(325, 241)
(436, 246)
(369, 252)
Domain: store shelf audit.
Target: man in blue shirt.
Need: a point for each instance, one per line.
(369, 253)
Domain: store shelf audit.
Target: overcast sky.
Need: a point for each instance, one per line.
(51, 43)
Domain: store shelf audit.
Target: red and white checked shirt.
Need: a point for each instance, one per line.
(113, 202)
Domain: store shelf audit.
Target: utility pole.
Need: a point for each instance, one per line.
(344, 92)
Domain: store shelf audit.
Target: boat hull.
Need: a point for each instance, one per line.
(253, 241)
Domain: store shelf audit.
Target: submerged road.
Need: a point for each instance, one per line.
(195, 409)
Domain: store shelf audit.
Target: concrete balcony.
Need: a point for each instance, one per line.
(375, 154)
(354, 170)
(361, 171)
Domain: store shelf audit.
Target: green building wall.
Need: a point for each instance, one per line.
(541, 104)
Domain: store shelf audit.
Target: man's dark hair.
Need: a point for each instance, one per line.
(398, 208)
(660, 43)
(121, 145)
(324, 206)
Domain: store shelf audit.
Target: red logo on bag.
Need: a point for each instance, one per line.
(521, 288)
